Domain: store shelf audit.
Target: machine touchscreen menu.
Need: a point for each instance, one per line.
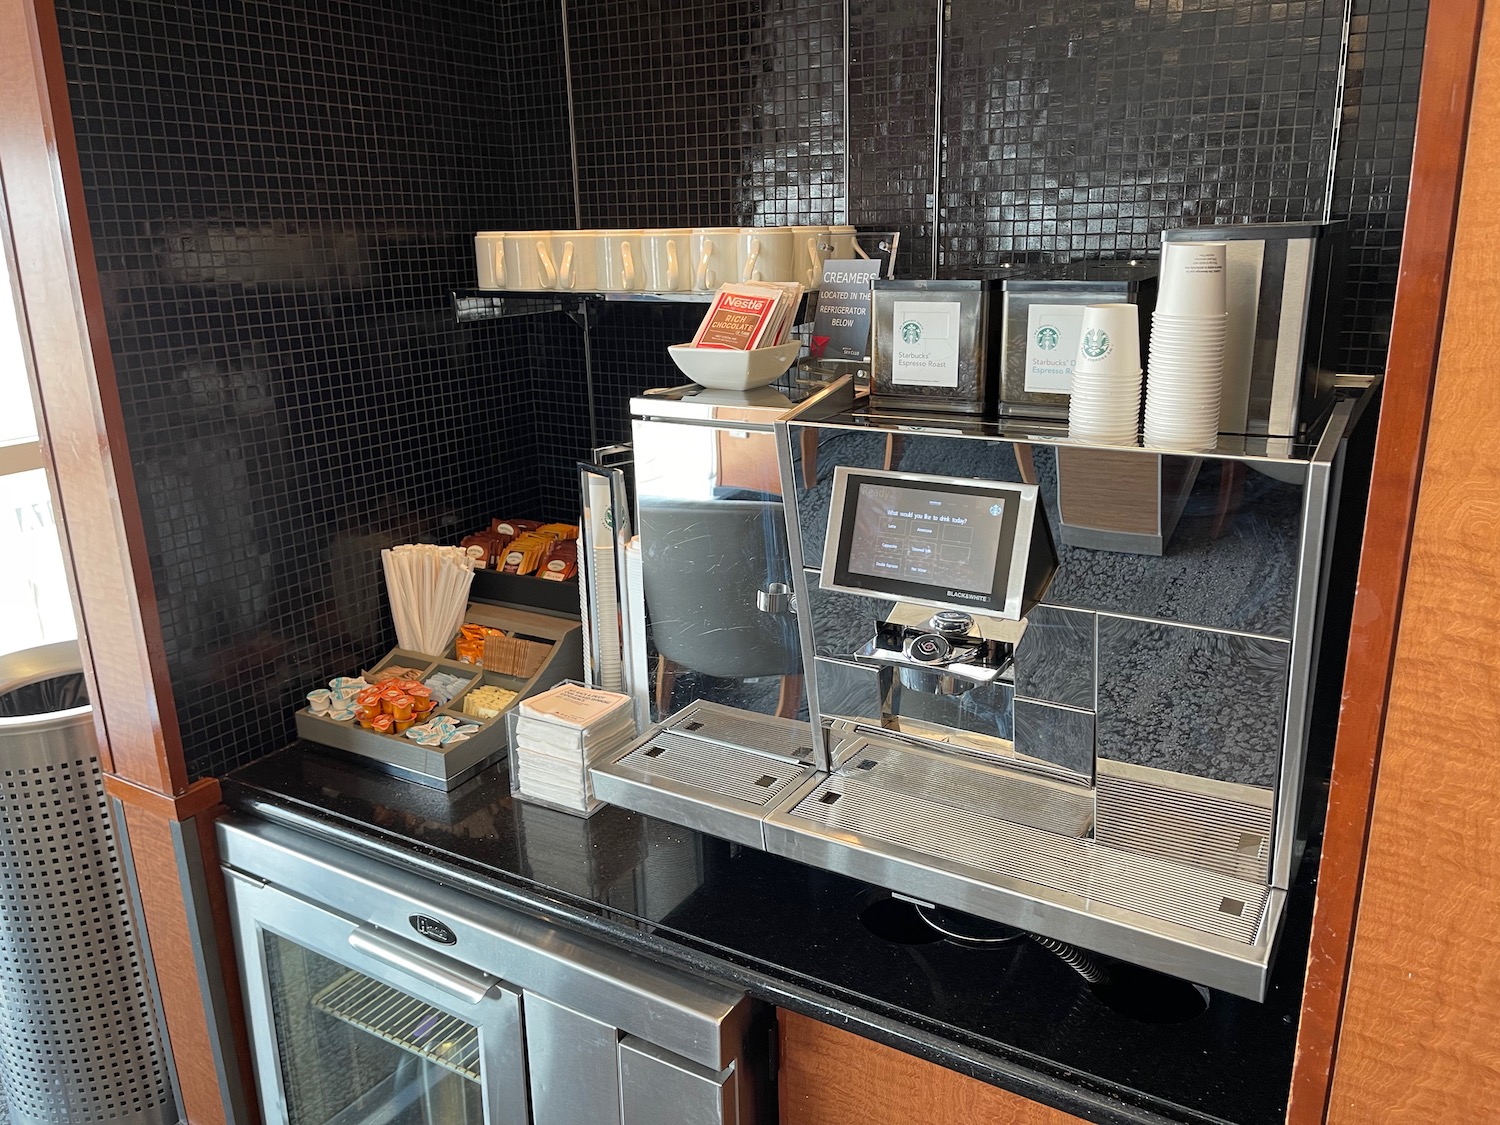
(937, 541)
(943, 539)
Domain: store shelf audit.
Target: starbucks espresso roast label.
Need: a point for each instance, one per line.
(1052, 347)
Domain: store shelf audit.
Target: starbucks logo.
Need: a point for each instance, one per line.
(911, 332)
(1046, 338)
(1095, 343)
(609, 517)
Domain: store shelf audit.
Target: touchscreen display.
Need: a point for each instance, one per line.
(935, 538)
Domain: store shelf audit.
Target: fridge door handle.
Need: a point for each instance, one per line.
(441, 972)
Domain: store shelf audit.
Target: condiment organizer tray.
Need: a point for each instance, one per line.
(447, 767)
(441, 767)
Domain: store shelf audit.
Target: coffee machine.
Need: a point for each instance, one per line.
(1060, 687)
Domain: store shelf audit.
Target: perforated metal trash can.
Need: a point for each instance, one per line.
(78, 1035)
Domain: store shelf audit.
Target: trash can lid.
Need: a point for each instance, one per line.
(41, 680)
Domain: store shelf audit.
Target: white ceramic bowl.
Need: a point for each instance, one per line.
(728, 370)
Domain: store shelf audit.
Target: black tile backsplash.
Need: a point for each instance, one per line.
(893, 49)
(1373, 170)
(1081, 130)
(282, 194)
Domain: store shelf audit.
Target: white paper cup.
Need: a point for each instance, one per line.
(1109, 339)
(1192, 279)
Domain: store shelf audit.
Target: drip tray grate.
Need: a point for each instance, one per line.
(975, 844)
(729, 726)
(404, 1021)
(755, 779)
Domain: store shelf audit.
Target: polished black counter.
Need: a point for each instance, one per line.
(1011, 1014)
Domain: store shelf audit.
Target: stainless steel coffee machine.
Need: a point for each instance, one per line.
(1061, 687)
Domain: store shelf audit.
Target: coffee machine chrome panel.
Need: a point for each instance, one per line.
(1101, 744)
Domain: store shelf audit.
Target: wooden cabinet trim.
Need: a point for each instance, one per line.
(829, 1076)
(1422, 289)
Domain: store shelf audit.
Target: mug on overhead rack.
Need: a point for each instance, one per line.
(621, 268)
(668, 261)
(715, 256)
(767, 254)
(815, 246)
(529, 261)
(489, 258)
(577, 254)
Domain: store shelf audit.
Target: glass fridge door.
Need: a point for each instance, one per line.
(354, 1027)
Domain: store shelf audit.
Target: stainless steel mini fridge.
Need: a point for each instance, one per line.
(377, 997)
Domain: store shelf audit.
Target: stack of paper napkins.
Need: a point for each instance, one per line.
(559, 734)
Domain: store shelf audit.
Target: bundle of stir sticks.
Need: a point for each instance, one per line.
(429, 591)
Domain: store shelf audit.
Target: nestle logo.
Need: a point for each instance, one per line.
(433, 930)
(741, 303)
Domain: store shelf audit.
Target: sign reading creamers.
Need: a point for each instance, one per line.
(841, 328)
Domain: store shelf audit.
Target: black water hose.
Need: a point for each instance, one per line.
(1075, 959)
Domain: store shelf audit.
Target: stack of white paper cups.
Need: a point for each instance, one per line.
(1104, 404)
(1188, 330)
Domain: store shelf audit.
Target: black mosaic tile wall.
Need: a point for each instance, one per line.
(1081, 130)
(892, 64)
(692, 114)
(1069, 131)
(1373, 171)
(281, 195)
(538, 178)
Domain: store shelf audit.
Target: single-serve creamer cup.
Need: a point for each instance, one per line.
(1109, 340)
(1192, 279)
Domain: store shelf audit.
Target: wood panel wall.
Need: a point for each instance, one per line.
(1421, 292)
(832, 1077)
(1419, 1039)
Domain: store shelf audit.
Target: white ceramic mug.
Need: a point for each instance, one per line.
(577, 253)
(767, 254)
(529, 262)
(668, 259)
(814, 247)
(489, 258)
(845, 244)
(621, 268)
(715, 256)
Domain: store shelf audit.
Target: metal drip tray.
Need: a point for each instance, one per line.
(926, 830)
(695, 769)
(404, 1021)
(961, 783)
(745, 730)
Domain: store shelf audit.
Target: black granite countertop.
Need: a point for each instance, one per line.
(1011, 1014)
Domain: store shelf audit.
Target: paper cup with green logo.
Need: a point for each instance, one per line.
(1109, 340)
